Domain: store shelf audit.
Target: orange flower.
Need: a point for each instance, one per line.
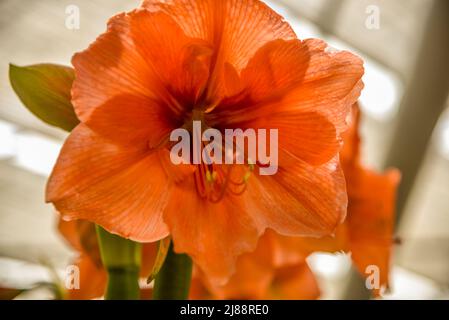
(230, 64)
(270, 272)
(82, 237)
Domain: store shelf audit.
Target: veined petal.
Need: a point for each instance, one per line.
(237, 28)
(194, 17)
(331, 84)
(280, 72)
(276, 68)
(213, 234)
(129, 204)
(86, 159)
(308, 136)
(181, 63)
(110, 66)
(131, 121)
(123, 190)
(300, 199)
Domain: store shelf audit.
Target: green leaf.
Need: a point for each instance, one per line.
(45, 90)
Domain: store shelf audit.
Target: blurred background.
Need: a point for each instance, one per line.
(405, 46)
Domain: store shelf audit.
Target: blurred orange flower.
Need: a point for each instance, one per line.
(270, 272)
(230, 64)
(82, 237)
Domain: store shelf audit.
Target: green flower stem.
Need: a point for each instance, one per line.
(121, 258)
(123, 284)
(173, 280)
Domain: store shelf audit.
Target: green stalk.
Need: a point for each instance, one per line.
(173, 280)
(121, 258)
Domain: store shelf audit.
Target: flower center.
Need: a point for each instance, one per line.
(214, 180)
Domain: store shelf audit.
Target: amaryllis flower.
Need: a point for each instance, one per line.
(229, 64)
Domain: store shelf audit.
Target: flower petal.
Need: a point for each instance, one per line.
(278, 71)
(276, 68)
(237, 28)
(92, 280)
(82, 236)
(131, 120)
(300, 200)
(297, 76)
(213, 234)
(294, 282)
(350, 153)
(110, 66)
(180, 63)
(123, 190)
(86, 159)
(371, 220)
(253, 276)
(331, 84)
(308, 136)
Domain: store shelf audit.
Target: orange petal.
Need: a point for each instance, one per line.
(253, 276)
(198, 291)
(350, 153)
(294, 249)
(262, 275)
(300, 200)
(294, 282)
(123, 191)
(110, 66)
(131, 120)
(69, 230)
(92, 281)
(308, 136)
(371, 220)
(237, 28)
(276, 68)
(278, 72)
(82, 236)
(331, 84)
(181, 63)
(213, 234)
(86, 159)
(196, 18)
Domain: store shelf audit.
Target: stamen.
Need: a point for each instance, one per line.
(213, 181)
